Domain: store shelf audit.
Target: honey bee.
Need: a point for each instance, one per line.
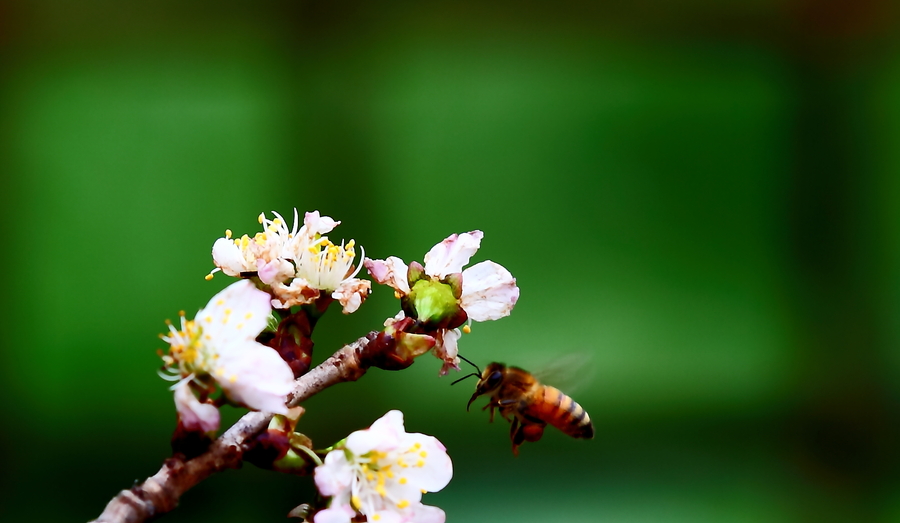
(528, 404)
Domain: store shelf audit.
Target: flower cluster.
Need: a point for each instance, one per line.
(443, 295)
(381, 473)
(219, 347)
(297, 263)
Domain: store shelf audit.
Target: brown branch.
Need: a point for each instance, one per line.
(160, 493)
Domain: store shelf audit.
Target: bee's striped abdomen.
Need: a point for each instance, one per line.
(561, 411)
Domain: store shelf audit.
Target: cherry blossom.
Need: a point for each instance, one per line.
(297, 263)
(488, 292)
(381, 473)
(220, 345)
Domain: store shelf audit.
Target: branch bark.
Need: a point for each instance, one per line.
(160, 493)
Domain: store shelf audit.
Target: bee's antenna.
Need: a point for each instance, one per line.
(464, 377)
(470, 363)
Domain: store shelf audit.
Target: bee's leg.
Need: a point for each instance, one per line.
(493, 405)
(506, 408)
(515, 435)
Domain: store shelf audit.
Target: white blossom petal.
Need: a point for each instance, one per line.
(387, 516)
(452, 254)
(335, 476)
(391, 271)
(437, 470)
(489, 291)
(382, 436)
(228, 257)
(447, 349)
(315, 224)
(334, 514)
(194, 416)
(276, 271)
(256, 376)
(420, 513)
(239, 312)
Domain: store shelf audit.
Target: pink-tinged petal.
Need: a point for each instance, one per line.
(256, 376)
(335, 475)
(452, 254)
(489, 291)
(385, 516)
(437, 469)
(276, 271)
(383, 435)
(228, 257)
(446, 348)
(338, 514)
(420, 513)
(391, 271)
(237, 313)
(351, 293)
(195, 416)
(317, 224)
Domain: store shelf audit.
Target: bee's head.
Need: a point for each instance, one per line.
(489, 382)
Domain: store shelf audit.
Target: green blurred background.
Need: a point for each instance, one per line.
(701, 197)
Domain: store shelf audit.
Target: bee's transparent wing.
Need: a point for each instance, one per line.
(568, 372)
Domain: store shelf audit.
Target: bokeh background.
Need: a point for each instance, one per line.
(700, 201)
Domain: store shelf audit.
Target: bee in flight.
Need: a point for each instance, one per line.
(528, 404)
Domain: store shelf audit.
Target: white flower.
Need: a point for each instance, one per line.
(220, 342)
(382, 472)
(489, 291)
(268, 253)
(297, 264)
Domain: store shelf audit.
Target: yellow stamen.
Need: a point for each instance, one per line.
(228, 234)
(208, 277)
(467, 329)
(402, 481)
(403, 503)
(357, 504)
(420, 463)
(423, 454)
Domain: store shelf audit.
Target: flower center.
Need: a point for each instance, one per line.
(187, 349)
(325, 265)
(433, 301)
